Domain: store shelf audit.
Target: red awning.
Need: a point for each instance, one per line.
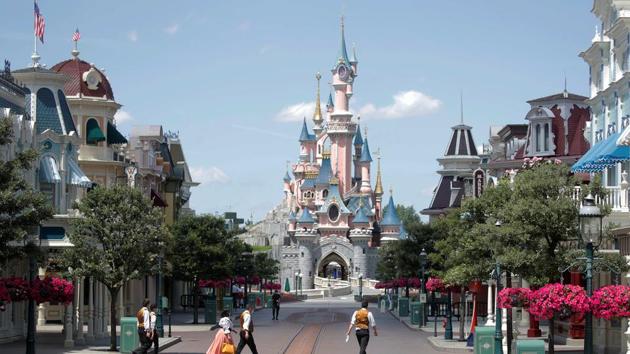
(157, 200)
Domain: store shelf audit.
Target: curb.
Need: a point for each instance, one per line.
(170, 343)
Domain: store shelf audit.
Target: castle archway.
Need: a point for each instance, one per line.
(334, 266)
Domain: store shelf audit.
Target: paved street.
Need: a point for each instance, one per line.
(316, 326)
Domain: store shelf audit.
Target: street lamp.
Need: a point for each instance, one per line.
(498, 333)
(361, 286)
(591, 231)
(423, 288)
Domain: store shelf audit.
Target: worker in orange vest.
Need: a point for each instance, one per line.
(362, 320)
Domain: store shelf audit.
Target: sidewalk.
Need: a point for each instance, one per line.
(439, 343)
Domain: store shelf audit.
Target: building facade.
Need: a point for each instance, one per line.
(337, 219)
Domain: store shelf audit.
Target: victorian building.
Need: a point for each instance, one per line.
(337, 216)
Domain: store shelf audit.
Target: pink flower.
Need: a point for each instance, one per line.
(435, 284)
(513, 297)
(611, 301)
(558, 299)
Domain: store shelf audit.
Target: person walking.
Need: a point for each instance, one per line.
(222, 342)
(275, 305)
(144, 328)
(155, 337)
(247, 331)
(362, 320)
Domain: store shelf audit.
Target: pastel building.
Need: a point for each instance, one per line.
(337, 218)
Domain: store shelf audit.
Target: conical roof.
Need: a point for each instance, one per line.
(461, 143)
(390, 218)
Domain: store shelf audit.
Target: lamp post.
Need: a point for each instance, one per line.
(423, 286)
(498, 333)
(591, 230)
(159, 323)
(361, 286)
(297, 274)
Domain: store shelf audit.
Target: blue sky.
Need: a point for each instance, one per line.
(225, 73)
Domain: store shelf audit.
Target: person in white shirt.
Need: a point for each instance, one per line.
(155, 337)
(223, 336)
(247, 331)
(362, 320)
(143, 316)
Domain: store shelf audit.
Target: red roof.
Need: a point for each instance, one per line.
(74, 68)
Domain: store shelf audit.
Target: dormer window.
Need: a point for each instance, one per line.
(540, 137)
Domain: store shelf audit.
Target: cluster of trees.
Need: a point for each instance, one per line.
(120, 236)
(529, 226)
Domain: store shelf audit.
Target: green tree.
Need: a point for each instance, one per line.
(265, 267)
(21, 207)
(201, 248)
(117, 239)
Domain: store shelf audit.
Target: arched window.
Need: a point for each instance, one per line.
(325, 193)
(537, 137)
(47, 115)
(546, 136)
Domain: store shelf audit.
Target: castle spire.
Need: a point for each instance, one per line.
(330, 106)
(378, 189)
(343, 52)
(317, 115)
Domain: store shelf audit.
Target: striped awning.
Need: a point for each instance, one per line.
(48, 170)
(602, 155)
(76, 176)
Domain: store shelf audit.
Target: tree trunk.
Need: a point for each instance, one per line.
(113, 293)
(462, 309)
(195, 303)
(552, 331)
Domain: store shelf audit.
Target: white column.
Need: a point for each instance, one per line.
(504, 328)
(524, 312)
(90, 320)
(79, 290)
(41, 308)
(67, 327)
(490, 319)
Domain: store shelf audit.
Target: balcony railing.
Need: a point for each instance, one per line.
(616, 198)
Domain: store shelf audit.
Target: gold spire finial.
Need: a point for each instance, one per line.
(378, 189)
(317, 115)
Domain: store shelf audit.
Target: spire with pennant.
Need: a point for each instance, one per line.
(365, 152)
(390, 217)
(305, 135)
(330, 105)
(75, 38)
(358, 139)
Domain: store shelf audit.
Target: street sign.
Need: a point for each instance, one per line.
(423, 298)
(479, 177)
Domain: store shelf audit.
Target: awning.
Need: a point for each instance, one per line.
(48, 170)
(94, 133)
(52, 233)
(76, 176)
(604, 154)
(157, 200)
(114, 136)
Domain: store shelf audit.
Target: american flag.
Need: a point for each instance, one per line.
(40, 24)
(76, 35)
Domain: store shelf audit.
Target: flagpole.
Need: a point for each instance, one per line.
(35, 56)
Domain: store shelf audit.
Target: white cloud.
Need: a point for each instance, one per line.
(172, 29)
(133, 36)
(210, 174)
(296, 112)
(406, 104)
(264, 49)
(122, 117)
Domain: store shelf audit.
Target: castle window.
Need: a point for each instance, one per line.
(537, 137)
(333, 212)
(325, 193)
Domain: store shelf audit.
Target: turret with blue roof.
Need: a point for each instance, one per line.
(306, 217)
(390, 216)
(361, 216)
(358, 139)
(330, 105)
(287, 177)
(292, 216)
(305, 136)
(365, 152)
(334, 197)
(343, 52)
(325, 172)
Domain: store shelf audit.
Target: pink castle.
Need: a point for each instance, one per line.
(337, 220)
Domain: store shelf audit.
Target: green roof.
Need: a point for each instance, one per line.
(114, 136)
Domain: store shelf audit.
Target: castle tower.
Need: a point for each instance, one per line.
(365, 161)
(391, 224)
(307, 143)
(358, 146)
(341, 128)
(360, 235)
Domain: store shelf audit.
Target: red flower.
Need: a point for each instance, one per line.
(52, 289)
(18, 288)
(563, 300)
(4, 294)
(435, 284)
(611, 301)
(513, 297)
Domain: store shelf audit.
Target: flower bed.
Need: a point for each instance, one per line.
(18, 288)
(52, 289)
(513, 297)
(563, 300)
(435, 284)
(611, 301)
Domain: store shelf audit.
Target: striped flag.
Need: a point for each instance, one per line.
(40, 24)
(76, 35)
